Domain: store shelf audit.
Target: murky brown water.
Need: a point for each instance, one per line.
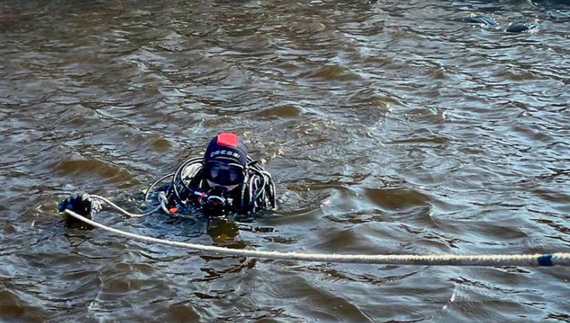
(389, 128)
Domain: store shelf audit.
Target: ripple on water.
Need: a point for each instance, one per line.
(281, 111)
(389, 127)
(99, 168)
(19, 307)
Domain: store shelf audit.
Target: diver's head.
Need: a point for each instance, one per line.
(225, 161)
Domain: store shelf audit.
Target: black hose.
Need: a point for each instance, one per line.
(261, 188)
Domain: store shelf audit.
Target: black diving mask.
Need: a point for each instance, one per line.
(224, 174)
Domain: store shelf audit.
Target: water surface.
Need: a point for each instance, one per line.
(389, 128)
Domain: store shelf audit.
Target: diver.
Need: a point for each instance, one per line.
(224, 183)
(488, 22)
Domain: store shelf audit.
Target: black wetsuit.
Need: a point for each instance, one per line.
(189, 191)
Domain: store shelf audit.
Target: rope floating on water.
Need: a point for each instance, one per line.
(536, 260)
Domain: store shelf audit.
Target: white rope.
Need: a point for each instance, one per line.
(558, 259)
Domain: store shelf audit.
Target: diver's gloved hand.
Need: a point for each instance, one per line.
(81, 204)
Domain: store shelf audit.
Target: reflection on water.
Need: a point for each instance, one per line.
(389, 127)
